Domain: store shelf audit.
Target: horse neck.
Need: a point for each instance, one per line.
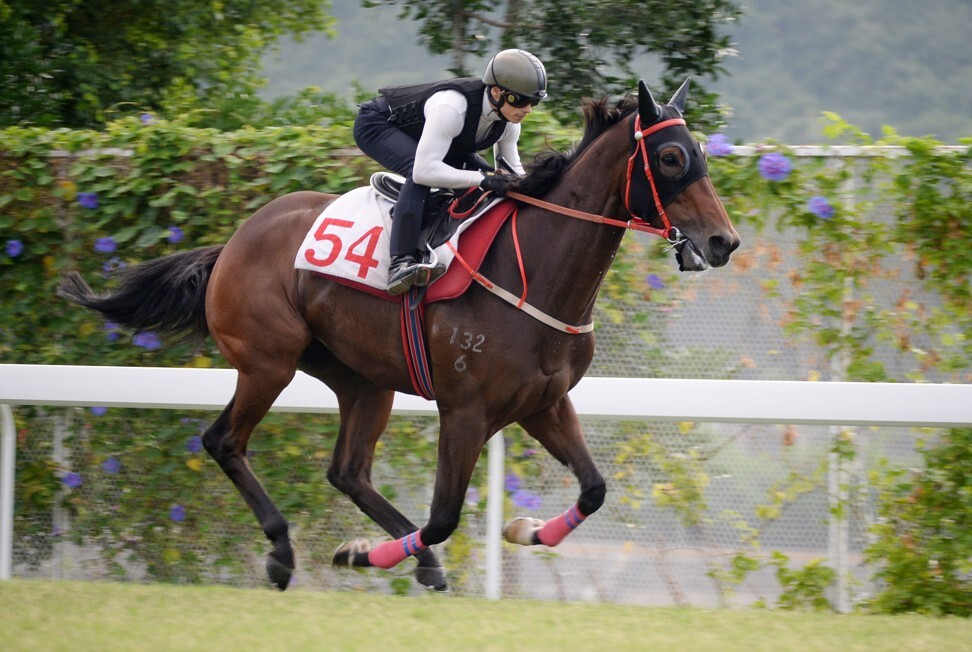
(573, 256)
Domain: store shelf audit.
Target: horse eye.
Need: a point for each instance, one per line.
(673, 160)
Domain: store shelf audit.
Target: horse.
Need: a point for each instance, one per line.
(637, 166)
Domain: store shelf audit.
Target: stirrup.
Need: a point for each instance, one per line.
(435, 267)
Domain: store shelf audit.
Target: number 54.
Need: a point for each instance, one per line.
(361, 252)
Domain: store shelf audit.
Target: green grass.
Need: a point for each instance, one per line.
(79, 616)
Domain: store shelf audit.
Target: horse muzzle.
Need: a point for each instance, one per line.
(715, 253)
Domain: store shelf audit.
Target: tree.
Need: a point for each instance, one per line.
(73, 62)
(587, 46)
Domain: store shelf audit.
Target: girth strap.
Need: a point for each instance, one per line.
(414, 344)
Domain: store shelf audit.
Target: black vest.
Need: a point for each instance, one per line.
(407, 106)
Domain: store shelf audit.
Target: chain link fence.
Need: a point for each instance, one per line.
(694, 513)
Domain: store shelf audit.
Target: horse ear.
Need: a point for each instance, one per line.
(648, 109)
(678, 99)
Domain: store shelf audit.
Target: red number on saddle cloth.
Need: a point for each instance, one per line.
(365, 260)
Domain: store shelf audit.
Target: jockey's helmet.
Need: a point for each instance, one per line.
(517, 71)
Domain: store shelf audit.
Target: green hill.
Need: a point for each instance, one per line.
(874, 62)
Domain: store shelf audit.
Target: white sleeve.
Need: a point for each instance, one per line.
(506, 147)
(443, 122)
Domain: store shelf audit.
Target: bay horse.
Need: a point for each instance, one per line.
(636, 166)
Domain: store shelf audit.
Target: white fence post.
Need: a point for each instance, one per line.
(8, 466)
(494, 516)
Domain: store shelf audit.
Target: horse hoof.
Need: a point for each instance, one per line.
(432, 577)
(348, 553)
(521, 530)
(279, 571)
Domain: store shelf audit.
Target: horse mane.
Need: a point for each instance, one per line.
(549, 167)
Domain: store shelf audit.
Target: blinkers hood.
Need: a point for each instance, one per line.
(668, 185)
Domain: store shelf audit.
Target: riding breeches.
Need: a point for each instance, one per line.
(394, 149)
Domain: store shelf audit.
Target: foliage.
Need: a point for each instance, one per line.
(830, 204)
(75, 62)
(582, 45)
(803, 588)
(923, 537)
(98, 200)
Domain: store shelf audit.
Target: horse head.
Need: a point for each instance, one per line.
(668, 184)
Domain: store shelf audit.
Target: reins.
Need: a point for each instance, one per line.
(636, 223)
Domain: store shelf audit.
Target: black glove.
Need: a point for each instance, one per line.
(498, 184)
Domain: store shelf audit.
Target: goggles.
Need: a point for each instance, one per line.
(519, 101)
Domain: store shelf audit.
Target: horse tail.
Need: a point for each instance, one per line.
(166, 295)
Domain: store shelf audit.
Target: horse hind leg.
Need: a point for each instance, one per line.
(364, 409)
(459, 450)
(226, 439)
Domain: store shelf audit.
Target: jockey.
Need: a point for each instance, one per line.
(431, 133)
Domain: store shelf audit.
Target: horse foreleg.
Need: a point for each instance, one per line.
(364, 415)
(558, 430)
(226, 441)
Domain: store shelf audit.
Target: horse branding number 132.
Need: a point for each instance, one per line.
(361, 252)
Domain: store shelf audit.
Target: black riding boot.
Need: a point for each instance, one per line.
(408, 266)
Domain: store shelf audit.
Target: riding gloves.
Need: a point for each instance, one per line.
(498, 184)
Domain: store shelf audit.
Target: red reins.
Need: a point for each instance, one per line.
(636, 223)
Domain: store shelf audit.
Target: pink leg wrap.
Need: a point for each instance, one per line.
(556, 529)
(391, 553)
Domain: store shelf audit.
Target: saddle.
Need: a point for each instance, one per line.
(444, 209)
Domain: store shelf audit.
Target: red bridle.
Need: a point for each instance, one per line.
(636, 223)
(640, 135)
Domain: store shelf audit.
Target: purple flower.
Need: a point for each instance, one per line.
(175, 234)
(526, 500)
(146, 340)
(72, 479)
(14, 248)
(774, 166)
(147, 118)
(99, 411)
(112, 265)
(194, 444)
(718, 145)
(111, 466)
(472, 496)
(654, 281)
(821, 207)
(105, 245)
(88, 200)
(512, 482)
(177, 513)
(111, 331)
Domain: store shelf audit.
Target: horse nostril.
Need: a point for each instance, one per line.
(721, 246)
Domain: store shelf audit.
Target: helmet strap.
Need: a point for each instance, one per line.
(497, 104)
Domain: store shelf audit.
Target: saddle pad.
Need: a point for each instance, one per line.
(349, 242)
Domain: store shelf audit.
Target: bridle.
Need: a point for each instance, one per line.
(668, 231)
(636, 223)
